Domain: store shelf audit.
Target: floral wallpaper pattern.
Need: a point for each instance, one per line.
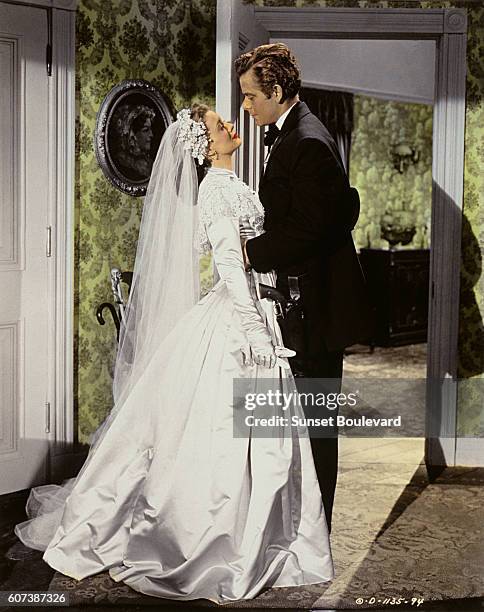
(172, 44)
(378, 126)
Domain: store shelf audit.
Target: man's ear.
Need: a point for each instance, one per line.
(278, 92)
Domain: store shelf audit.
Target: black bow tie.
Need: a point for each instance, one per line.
(271, 135)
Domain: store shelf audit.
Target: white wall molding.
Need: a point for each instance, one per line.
(445, 254)
(12, 239)
(315, 22)
(455, 21)
(470, 452)
(10, 348)
(62, 150)
(369, 92)
(66, 5)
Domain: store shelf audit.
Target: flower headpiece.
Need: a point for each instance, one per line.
(193, 134)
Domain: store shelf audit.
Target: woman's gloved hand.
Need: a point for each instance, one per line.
(259, 350)
(225, 240)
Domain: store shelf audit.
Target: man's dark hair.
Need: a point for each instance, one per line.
(273, 64)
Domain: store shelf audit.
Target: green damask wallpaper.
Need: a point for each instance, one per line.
(170, 43)
(378, 125)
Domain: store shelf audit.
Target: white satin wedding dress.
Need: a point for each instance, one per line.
(171, 502)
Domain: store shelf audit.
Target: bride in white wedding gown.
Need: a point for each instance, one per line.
(169, 500)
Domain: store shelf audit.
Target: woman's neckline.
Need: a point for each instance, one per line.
(222, 171)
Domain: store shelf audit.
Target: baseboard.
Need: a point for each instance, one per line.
(469, 452)
(67, 464)
(12, 509)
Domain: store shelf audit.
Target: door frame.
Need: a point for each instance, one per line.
(63, 202)
(61, 161)
(448, 27)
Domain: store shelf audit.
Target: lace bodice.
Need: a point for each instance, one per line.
(222, 193)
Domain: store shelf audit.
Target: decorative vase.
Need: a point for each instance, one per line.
(397, 227)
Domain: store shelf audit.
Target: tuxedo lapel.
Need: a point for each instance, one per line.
(296, 113)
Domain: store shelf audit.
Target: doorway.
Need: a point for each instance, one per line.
(23, 260)
(37, 188)
(250, 26)
(376, 99)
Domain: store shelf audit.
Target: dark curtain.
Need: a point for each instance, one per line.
(335, 110)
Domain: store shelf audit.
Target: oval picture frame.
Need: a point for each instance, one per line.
(130, 123)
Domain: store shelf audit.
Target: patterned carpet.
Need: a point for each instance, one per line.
(389, 382)
(429, 547)
(394, 534)
(393, 362)
(432, 551)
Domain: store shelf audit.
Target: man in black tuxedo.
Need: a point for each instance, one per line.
(309, 213)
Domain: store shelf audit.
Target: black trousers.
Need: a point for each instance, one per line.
(329, 366)
(313, 360)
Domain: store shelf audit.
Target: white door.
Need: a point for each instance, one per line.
(238, 32)
(24, 183)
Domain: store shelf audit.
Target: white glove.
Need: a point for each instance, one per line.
(225, 240)
(252, 354)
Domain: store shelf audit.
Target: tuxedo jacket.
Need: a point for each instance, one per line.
(304, 191)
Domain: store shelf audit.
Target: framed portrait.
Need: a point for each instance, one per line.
(129, 126)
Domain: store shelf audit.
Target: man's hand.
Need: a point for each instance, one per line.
(246, 232)
(246, 258)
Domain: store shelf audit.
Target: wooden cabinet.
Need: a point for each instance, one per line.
(398, 281)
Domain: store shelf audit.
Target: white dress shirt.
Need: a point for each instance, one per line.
(282, 118)
(279, 124)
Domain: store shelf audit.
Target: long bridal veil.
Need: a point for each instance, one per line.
(165, 286)
(166, 273)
